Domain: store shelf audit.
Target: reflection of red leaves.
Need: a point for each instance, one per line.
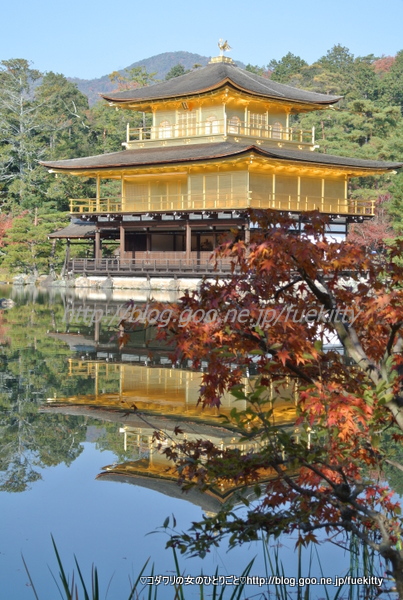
(4, 339)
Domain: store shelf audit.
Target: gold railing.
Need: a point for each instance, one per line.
(96, 205)
(89, 368)
(220, 127)
(217, 202)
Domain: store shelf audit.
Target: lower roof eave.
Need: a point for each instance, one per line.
(176, 156)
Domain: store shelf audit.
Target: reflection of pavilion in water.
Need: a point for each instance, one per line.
(142, 374)
(141, 392)
(150, 468)
(161, 389)
(149, 398)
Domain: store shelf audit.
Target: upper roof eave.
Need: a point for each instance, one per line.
(214, 77)
(225, 83)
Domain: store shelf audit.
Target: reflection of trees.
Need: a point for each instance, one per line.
(33, 367)
(31, 441)
(111, 440)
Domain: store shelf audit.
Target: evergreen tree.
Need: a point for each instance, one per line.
(255, 69)
(64, 118)
(130, 79)
(109, 126)
(392, 83)
(284, 69)
(338, 60)
(176, 71)
(19, 123)
(28, 248)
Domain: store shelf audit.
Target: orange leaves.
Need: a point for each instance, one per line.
(344, 417)
(305, 539)
(283, 355)
(123, 339)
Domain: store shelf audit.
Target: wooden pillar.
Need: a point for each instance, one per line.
(299, 207)
(96, 329)
(122, 193)
(66, 258)
(97, 249)
(68, 250)
(96, 379)
(98, 198)
(188, 241)
(247, 234)
(323, 197)
(122, 241)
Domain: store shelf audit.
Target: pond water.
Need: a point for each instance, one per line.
(78, 464)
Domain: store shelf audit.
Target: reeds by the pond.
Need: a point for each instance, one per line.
(362, 562)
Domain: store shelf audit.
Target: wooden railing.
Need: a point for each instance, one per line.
(220, 127)
(216, 202)
(149, 266)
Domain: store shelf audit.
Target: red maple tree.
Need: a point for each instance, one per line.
(376, 233)
(327, 317)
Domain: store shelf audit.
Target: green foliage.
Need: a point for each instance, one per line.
(338, 60)
(255, 69)
(284, 69)
(64, 117)
(365, 124)
(392, 83)
(133, 78)
(37, 122)
(19, 120)
(396, 204)
(109, 126)
(28, 249)
(176, 71)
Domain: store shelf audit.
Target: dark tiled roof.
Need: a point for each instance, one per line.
(75, 230)
(215, 76)
(201, 152)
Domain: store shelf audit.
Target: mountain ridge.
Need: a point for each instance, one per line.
(160, 64)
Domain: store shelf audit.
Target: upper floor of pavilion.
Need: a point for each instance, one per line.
(221, 139)
(220, 102)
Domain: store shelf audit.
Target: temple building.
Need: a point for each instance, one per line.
(221, 141)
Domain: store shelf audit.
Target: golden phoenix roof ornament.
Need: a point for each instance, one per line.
(223, 46)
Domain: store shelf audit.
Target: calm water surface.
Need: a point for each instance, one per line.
(77, 464)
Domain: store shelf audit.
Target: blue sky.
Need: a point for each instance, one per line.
(91, 38)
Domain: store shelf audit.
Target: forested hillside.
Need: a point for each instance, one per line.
(160, 64)
(46, 117)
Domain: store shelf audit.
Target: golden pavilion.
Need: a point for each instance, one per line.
(221, 142)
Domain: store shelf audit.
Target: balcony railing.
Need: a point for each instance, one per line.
(220, 128)
(220, 202)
